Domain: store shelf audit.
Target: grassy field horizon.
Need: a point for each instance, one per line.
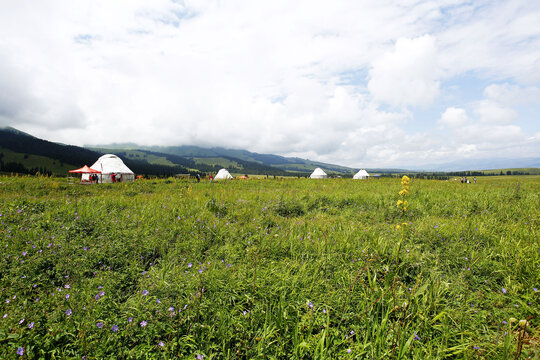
(270, 269)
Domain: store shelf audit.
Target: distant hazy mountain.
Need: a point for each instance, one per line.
(481, 164)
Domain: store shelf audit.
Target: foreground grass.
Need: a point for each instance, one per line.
(269, 269)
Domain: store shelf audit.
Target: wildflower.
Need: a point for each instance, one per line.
(200, 357)
(535, 289)
(20, 322)
(200, 271)
(416, 336)
(31, 325)
(189, 265)
(67, 286)
(143, 323)
(310, 305)
(161, 344)
(5, 316)
(504, 290)
(130, 319)
(114, 328)
(67, 296)
(171, 309)
(158, 301)
(20, 351)
(145, 292)
(348, 351)
(99, 325)
(523, 324)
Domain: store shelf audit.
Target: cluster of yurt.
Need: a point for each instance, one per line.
(319, 173)
(108, 168)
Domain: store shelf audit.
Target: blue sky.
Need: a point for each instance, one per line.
(357, 83)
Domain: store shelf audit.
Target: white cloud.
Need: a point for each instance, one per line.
(408, 75)
(454, 117)
(512, 95)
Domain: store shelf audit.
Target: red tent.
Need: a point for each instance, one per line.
(85, 170)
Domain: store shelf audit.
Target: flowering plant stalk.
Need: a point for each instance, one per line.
(402, 205)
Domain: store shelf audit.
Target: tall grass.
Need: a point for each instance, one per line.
(278, 269)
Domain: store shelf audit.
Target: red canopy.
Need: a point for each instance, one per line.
(85, 170)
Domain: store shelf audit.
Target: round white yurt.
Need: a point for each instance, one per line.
(110, 164)
(361, 175)
(223, 174)
(318, 173)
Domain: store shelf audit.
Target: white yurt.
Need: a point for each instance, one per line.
(361, 175)
(318, 173)
(110, 164)
(223, 174)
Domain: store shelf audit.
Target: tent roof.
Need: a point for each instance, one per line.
(85, 170)
(223, 174)
(110, 163)
(318, 171)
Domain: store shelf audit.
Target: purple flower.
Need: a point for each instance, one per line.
(476, 347)
(171, 309)
(99, 325)
(189, 265)
(20, 351)
(161, 344)
(130, 319)
(348, 351)
(310, 305)
(67, 296)
(535, 289)
(20, 322)
(416, 336)
(114, 328)
(68, 312)
(143, 323)
(97, 296)
(145, 292)
(504, 290)
(102, 293)
(31, 325)
(158, 301)
(67, 286)
(200, 271)
(200, 357)
(505, 322)
(85, 248)
(5, 316)
(24, 253)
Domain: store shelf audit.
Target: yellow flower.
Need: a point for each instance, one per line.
(399, 202)
(404, 192)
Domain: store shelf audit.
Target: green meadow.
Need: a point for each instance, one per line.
(270, 269)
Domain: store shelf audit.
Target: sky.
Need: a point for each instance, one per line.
(356, 83)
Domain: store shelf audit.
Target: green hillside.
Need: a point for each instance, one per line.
(56, 167)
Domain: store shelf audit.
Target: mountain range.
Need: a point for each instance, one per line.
(22, 152)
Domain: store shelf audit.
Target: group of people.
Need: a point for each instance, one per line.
(464, 180)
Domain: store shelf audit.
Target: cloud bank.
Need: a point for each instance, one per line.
(356, 83)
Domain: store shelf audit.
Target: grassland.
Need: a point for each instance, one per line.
(269, 269)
